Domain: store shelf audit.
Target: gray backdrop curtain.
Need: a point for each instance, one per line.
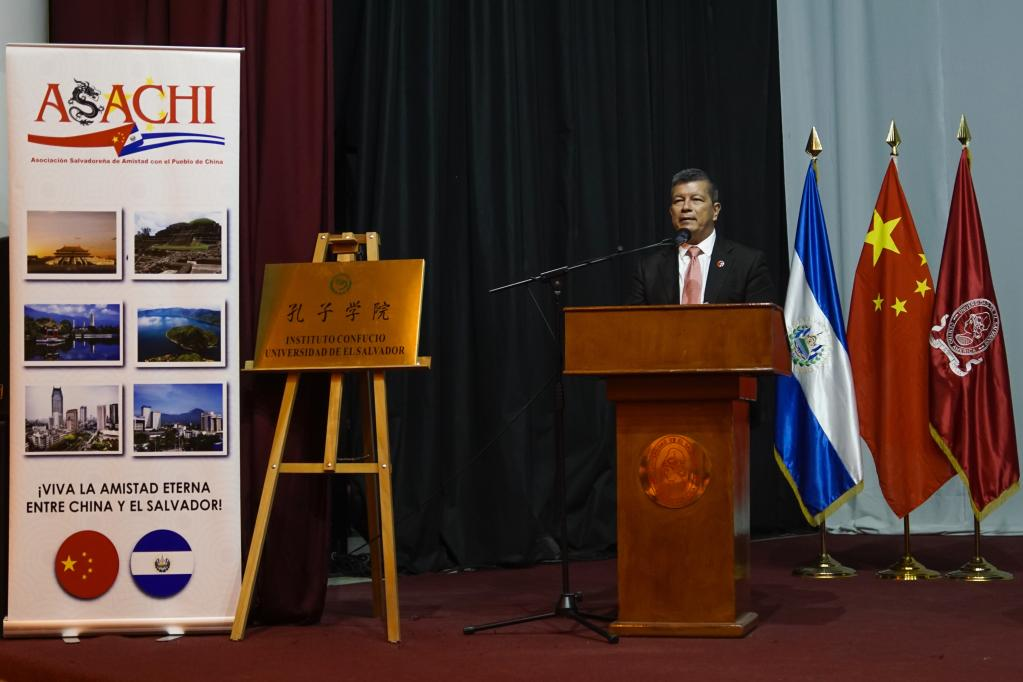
(849, 68)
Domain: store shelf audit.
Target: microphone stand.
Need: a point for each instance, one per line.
(551, 275)
(567, 604)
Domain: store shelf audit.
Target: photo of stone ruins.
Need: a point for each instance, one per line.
(194, 247)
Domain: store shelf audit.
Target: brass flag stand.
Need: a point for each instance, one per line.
(376, 464)
(978, 569)
(824, 566)
(907, 568)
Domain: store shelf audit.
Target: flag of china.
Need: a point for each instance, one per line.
(86, 564)
(889, 320)
(971, 402)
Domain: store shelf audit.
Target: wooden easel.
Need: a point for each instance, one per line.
(344, 247)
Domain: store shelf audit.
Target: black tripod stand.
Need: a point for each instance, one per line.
(567, 604)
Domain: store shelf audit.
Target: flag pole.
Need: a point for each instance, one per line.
(906, 568)
(824, 566)
(977, 569)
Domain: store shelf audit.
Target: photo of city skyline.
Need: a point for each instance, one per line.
(73, 245)
(178, 419)
(179, 245)
(73, 419)
(73, 334)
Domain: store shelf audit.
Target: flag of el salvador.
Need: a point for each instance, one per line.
(162, 563)
(817, 442)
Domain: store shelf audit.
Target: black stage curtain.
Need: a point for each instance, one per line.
(500, 139)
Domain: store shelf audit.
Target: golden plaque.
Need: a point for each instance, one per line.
(340, 315)
(674, 471)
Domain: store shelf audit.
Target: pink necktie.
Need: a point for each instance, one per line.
(693, 281)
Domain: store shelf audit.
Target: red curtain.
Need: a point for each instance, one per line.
(287, 166)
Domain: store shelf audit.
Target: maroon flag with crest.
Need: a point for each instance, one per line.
(971, 402)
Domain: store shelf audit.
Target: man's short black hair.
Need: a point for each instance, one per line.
(694, 175)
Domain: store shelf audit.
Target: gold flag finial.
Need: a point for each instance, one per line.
(813, 147)
(813, 144)
(963, 134)
(893, 140)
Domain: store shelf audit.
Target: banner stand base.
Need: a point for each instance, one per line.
(117, 626)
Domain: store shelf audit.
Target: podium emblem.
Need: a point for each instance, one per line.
(674, 471)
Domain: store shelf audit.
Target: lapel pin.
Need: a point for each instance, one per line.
(720, 264)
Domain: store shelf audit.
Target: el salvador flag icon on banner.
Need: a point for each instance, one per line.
(162, 563)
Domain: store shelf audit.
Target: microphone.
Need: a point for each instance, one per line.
(682, 236)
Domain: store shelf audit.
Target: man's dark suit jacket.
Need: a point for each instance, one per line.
(738, 274)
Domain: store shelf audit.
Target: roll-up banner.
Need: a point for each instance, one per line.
(124, 498)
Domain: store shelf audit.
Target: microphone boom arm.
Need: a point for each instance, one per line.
(564, 269)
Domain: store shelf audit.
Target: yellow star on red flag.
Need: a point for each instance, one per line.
(880, 236)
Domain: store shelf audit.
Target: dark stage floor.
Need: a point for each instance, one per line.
(860, 628)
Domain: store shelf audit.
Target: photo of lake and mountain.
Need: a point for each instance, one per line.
(180, 336)
(72, 334)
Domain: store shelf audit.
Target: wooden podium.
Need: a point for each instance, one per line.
(682, 378)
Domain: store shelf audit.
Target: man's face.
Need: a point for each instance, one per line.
(692, 208)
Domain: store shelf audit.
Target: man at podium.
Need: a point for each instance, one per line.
(705, 267)
(683, 389)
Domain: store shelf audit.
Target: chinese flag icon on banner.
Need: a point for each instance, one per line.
(86, 564)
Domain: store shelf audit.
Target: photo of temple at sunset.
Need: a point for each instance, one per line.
(66, 244)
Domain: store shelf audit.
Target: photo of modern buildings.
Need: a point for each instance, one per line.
(178, 419)
(73, 419)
